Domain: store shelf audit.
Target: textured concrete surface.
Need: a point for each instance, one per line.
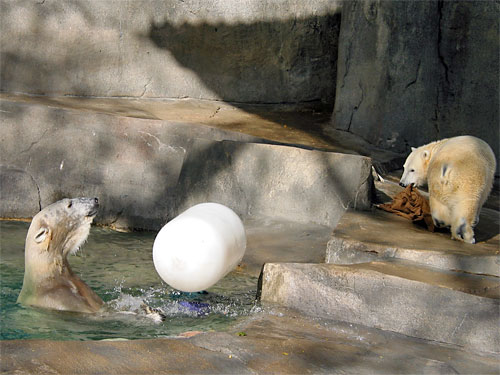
(283, 342)
(378, 235)
(145, 172)
(390, 297)
(271, 240)
(414, 72)
(399, 74)
(260, 51)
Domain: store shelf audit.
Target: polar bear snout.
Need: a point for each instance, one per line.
(94, 206)
(410, 177)
(87, 207)
(405, 184)
(402, 182)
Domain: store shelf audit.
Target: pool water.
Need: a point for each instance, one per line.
(119, 268)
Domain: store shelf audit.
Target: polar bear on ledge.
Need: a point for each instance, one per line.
(459, 172)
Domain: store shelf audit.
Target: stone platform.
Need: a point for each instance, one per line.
(384, 297)
(389, 273)
(377, 235)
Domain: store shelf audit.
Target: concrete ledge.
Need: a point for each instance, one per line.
(368, 295)
(377, 235)
(280, 343)
(145, 172)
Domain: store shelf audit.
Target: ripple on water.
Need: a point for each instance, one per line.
(119, 267)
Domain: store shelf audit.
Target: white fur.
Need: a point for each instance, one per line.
(459, 172)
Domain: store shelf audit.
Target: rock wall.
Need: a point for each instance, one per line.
(258, 51)
(410, 72)
(399, 74)
(146, 172)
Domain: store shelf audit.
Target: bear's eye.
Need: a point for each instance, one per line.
(412, 170)
(70, 204)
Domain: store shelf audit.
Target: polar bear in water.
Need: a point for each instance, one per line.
(55, 232)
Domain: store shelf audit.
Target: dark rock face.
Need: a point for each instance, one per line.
(413, 72)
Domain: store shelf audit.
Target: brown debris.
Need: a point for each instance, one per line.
(412, 205)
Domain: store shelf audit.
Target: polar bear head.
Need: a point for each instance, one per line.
(415, 167)
(62, 227)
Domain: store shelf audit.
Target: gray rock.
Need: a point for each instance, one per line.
(405, 73)
(275, 181)
(260, 51)
(146, 172)
(19, 193)
(378, 235)
(411, 72)
(390, 297)
(281, 342)
(270, 240)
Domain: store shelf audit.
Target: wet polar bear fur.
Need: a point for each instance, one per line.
(55, 232)
(459, 172)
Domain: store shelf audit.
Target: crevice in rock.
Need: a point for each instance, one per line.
(146, 87)
(215, 112)
(118, 215)
(417, 73)
(37, 191)
(347, 61)
(440, 41)
(435, 118)
(355, 108)
(34, 142)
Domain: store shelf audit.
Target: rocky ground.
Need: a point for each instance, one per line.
(274, 342)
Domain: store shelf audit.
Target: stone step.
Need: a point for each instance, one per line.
(386, 272)
(378, 235)
(398, 296)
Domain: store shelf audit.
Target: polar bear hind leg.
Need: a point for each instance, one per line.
(464, 220)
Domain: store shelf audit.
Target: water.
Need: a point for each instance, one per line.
(119, 268)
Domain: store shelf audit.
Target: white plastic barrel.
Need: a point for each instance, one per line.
(199, 247)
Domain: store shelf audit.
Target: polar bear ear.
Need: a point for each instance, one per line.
(413, 149)
(41, 235)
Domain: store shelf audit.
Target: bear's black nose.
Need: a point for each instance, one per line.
(401, 184)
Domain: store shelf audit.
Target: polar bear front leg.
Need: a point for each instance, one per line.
(441, 214)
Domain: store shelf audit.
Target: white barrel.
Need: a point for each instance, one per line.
(199, 247)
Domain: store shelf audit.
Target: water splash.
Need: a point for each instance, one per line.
(119, 267)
